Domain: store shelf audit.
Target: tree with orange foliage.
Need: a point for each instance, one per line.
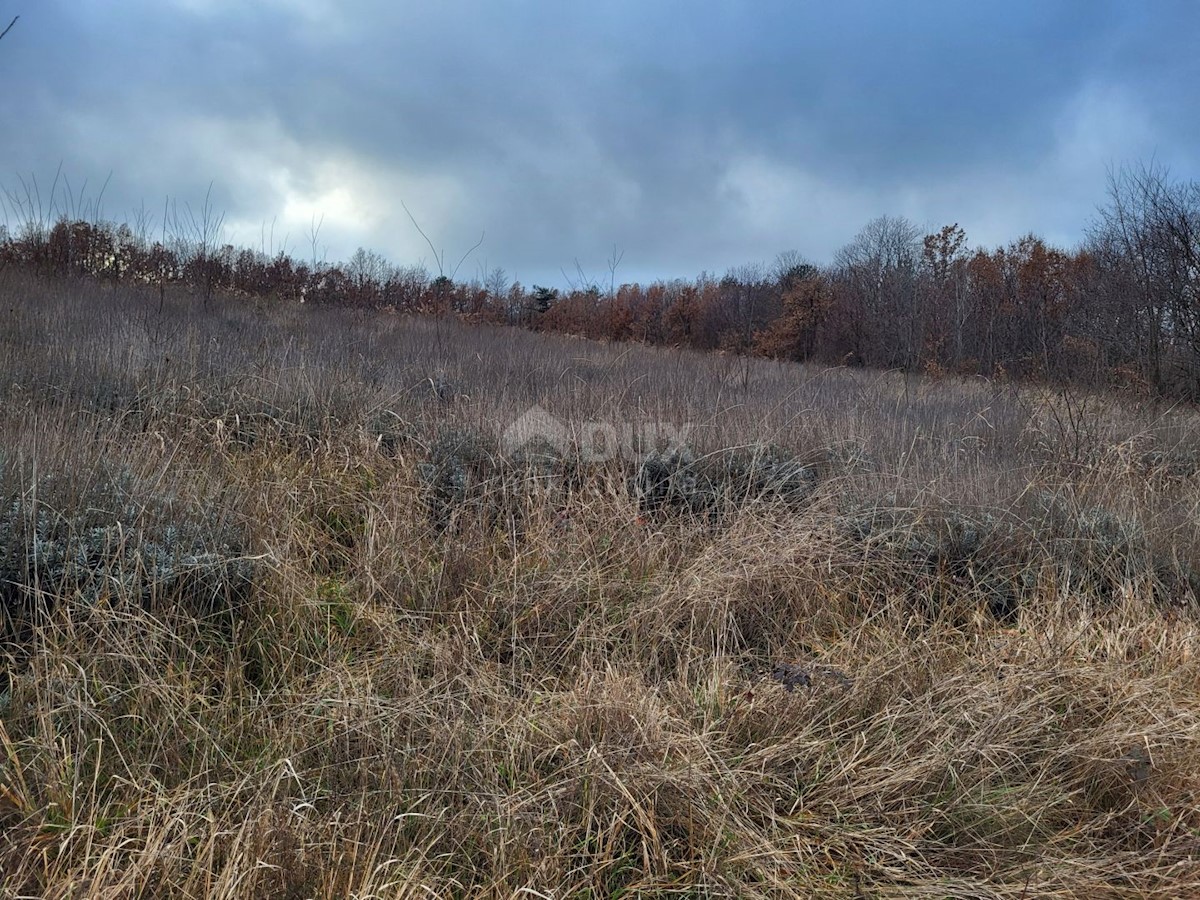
(680, 315)
(806, 300)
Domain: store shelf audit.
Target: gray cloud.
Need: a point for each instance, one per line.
(693, 136)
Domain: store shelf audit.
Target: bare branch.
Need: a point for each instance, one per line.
(10, 25)
(478, 244)
(581, 282)
(420, 231)
(314, 232)
(440, 258)
(613, 262)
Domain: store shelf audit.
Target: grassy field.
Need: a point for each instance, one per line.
(284, 616)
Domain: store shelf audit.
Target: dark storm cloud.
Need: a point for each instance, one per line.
(692, 136)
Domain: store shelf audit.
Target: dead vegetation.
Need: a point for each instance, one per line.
(282, 617)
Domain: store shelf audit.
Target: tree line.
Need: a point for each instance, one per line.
(1122, 308)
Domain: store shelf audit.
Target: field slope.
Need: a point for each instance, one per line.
(284, 615)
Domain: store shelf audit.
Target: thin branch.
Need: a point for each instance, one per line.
(440, 258)
(478, 244)
(613, 262)
(420, 231)
(314, 233)
(100, 196)
(10, 25)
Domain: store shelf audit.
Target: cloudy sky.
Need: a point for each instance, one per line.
(689, 135)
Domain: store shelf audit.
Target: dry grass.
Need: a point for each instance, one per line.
(252, 651)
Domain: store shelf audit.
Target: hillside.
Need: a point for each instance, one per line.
(290, 610)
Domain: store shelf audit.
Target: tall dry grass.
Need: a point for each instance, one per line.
(259, 642)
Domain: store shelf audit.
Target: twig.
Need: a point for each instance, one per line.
(420, 231)
(10, 25)
(478, 244)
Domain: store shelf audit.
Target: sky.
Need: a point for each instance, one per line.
(675, 137)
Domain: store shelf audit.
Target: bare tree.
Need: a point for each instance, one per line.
(945, 264)
(613, 262)
(880, 266)
(197, 235)
(495, 282)
(789, 267)
(367, 271)
(1147, 240)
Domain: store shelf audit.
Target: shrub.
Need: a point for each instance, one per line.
(459, 471)
(942, 556)
(1096, 549)
(763, 472)
(109, 546)
(676, 481)
(390, 431)
(670, 481)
